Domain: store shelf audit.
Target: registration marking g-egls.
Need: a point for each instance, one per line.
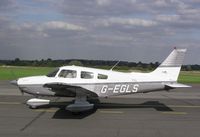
(120, 88)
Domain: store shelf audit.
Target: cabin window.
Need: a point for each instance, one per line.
(102, 76)
(53, 73)
(87, 75)
(68, 74)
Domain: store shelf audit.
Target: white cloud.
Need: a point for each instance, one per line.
(103, 2)
(60, 25)
(180, 4)
(39, 30)
(167, 18)
(50, 25)
(160, 3)
(97, 24)
(128, 21)
(190, 11)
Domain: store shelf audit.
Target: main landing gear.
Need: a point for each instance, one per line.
(80, 104)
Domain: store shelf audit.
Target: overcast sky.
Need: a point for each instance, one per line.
(127, 30)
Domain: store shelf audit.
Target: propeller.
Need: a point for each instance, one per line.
(14, 82)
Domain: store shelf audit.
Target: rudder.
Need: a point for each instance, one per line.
(170, 68)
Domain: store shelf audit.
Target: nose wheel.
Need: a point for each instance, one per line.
(32, 107)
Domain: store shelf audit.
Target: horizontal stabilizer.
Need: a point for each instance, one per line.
(176, 85)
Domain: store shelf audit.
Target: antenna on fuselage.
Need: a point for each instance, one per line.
(115, 65)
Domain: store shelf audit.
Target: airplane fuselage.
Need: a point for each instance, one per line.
(113, 84)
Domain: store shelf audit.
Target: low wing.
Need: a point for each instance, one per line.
(176, 85)
(57, 85)
(73, 89)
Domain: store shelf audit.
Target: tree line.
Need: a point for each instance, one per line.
(123, 65)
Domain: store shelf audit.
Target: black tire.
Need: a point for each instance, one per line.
(76, 113)
(32, 107)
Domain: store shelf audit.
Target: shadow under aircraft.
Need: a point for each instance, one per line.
(63, 113)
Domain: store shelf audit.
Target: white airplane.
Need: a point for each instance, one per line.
(84, 82)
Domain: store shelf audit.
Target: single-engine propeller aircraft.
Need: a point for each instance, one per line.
(84, 82)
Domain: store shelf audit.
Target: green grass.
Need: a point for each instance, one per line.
(189, 77)
(10, 73)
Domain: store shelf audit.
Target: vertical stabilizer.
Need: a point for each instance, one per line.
(175, 59)
(171, 66)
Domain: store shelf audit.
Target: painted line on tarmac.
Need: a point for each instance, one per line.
(172, 106)
(183, 106)
(10, 103)
(46, 110)
(111, 112)
(175, 113)
(54, 110)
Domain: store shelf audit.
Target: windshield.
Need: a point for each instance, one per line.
(53, 73)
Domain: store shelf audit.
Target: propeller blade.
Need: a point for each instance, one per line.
(14, 82)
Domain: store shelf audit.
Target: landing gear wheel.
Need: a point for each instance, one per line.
(75, 113)
(33, 107)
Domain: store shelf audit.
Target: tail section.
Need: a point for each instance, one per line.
(170, 68)
(175, 59)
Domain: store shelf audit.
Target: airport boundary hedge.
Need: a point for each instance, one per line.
(123, 65)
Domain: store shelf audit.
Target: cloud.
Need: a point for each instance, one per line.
(94, 28)
(161, 3)
(127, 21)
(44, 29)
(97, 7)
(60, 25)
(7, 5)
(167, 18)
(103, 2)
